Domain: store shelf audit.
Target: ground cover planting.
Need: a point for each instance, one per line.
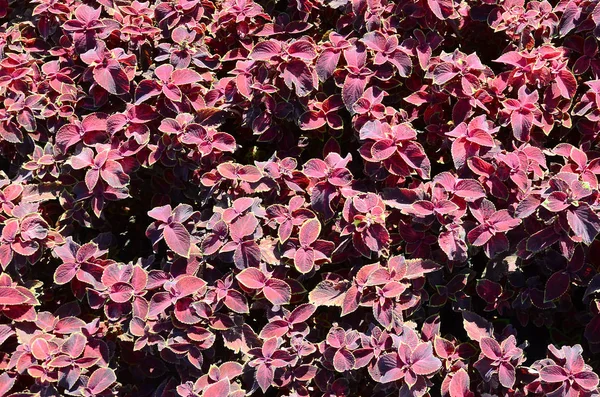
(212, 198)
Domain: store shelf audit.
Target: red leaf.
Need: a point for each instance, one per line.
(112, 78)
(488, 290)
(584, 222)
(302, 49)
(247, 254)
(299, 76)
(327, 63)
(556, 286)
(353, 89)
(265, 50)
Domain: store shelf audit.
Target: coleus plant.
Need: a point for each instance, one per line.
(299, 198)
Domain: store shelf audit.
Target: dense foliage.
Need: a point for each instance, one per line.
(299, 198)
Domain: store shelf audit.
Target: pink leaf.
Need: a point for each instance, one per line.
(11, 296)
(247, 254)
(309, 232)
(304, 260)
(68, 135)
(189, 285)
(521, 124)
(252, 278)
(459, 385)
(101, 379)
(236, 302)
(219, 389)
(159, 303)
(383, 149)
(469, 189)
(476, 326)
(249, 173)
(161, 213)
(145, 90)
(302, 313)
(178, 239)
(278, 292)
(343, 360)
(553, 374)
(7, 381)
(584, 222)
(184, 313)
(327, 293)
(264, 377)
(312, 120)
(316, 168)
(423, 360)
(74, 345)
(185, 76)
(389, 365)
(274, 329)
(442, 9)
(121, 292)
(443, 72)
(490, 348)
(587, 380)
(506, 375)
